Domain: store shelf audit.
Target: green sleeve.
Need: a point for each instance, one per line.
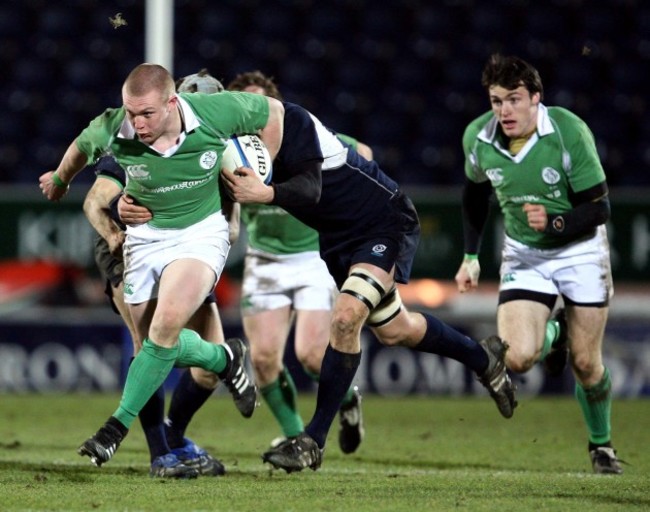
(472, 165)
(586, 168)
(98, 135)
(229, 113)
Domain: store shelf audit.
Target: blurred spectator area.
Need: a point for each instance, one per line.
(400, 75)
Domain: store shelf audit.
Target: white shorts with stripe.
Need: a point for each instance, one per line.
(273, 281)
(581, 271)
(148, 250)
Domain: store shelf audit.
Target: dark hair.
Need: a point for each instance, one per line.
(243, 80)
(511, 72)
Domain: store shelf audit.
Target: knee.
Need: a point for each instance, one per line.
(406, 329)
(311, 361)
(346, 324)
(345, 331)
(585, 366)
(390, 338)
(165, 324)
(266, 363)
(518, 360)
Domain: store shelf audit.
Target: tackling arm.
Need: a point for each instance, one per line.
(272, 133)
(97, 209)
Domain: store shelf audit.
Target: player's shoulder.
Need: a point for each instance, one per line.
(475, 126)
(296, 117)
(221, 98)
(564, 115)
(572, 127)
(295, 110)
(109, 118)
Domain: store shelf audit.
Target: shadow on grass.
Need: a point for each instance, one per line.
(71, 473)
(388, 463)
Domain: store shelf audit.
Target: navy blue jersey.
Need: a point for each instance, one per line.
(354, 191)
(361, 215)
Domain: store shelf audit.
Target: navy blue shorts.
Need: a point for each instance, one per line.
(389, 242)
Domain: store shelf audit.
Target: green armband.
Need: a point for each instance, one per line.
(471, 256)
(58, 181)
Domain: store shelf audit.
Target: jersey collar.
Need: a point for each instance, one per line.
(544, 125)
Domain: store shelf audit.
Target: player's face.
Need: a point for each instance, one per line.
(516, 110)
(150, 114)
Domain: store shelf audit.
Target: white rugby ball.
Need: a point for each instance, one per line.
(248, 151)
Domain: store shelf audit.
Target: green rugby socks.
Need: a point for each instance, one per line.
(280, 396)
(596, 405)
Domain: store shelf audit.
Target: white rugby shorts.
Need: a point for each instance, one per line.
(148, 250)
(273, 281)
(581, 270)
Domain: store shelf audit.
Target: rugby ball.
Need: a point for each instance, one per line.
(248, 151)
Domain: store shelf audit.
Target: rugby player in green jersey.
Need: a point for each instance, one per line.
(287, 283)
(542, 165)
(172, 454)
(171, 147)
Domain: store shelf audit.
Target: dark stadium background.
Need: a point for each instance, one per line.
(401, 75)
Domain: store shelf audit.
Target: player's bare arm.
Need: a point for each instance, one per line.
(55, 184)
(272, 133)
(97, 209)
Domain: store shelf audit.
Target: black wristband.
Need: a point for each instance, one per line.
(556, 224)
(582, 219)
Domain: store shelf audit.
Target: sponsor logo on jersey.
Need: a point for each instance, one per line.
(208, 160)
(495, 176)
(137, 171)
(128, 288)
(378, 250)
(528, 198)
(550, 176)
(183, 185)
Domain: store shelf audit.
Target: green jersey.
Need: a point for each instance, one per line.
(271, 229)
(181, 186)
(560, 157)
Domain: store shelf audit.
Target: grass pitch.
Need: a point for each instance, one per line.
(420, 453)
